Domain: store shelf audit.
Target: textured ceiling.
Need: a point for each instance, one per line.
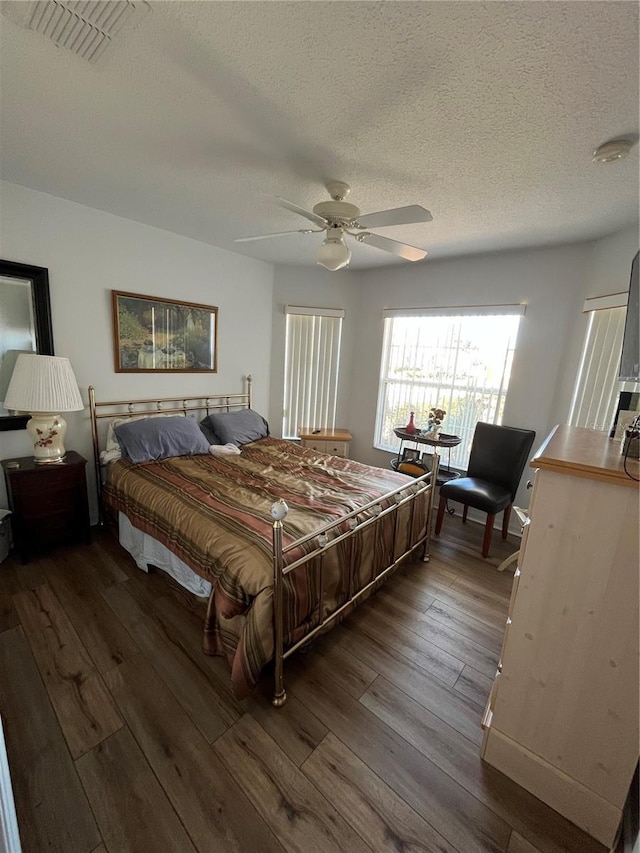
(200, 113)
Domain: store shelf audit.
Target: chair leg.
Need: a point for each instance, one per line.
(465, 510)
(488, 530)
(511, 559)
(505, 521)
(441, 508)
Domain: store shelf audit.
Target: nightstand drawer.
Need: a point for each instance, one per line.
(33, 501)
(55, 503)
(59, 527)
(30, 486)
(335, 442)
(336, 448)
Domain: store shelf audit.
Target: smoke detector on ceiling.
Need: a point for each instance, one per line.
(613, 150)
(85, 28)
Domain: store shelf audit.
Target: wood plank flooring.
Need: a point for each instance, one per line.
(123, 736)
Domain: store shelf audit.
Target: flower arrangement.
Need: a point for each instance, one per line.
(436, 416)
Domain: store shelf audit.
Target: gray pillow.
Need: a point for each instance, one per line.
(208, 432)
(237, 427)
(158, 438)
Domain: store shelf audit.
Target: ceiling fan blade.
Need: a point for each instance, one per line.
(289, 205)
(409, 253)
(397, 216)
(277, 234)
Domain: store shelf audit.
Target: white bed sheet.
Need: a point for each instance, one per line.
(147, 551)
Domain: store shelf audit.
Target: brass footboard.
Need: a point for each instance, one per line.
(420, 488)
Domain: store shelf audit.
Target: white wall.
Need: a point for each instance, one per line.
(318, 288)
(89, 253)
(610, 258)
(550, 281)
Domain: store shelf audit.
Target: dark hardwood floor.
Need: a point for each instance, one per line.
(123, 736)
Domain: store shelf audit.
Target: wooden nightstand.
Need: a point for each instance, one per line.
(49, 502)
(332, 441)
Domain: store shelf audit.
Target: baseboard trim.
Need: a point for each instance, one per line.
(598, 817)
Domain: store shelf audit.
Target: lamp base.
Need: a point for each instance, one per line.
(47, 431)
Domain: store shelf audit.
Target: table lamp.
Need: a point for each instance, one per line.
(44, 386)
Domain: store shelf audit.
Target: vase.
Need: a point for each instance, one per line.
(411, 426)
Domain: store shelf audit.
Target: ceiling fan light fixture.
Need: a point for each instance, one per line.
(333, 253)
(613, 150)
(337, 217)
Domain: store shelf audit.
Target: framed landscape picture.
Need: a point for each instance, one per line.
(152, 335)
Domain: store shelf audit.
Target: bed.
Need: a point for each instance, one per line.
(285, 540)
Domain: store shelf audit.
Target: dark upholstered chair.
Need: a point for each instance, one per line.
(497, 460)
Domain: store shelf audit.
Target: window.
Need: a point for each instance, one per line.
(596, 392)
(311, 364)
(457, 359)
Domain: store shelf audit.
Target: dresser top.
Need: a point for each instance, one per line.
(585, 453)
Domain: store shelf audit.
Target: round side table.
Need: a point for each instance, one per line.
(441, 441)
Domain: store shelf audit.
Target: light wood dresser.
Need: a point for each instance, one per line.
(332, 441)
(562, 717)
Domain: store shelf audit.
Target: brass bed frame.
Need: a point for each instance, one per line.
(420, 488)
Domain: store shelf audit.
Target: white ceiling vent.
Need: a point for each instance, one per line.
(85, 27)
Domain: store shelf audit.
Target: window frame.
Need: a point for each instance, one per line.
(326, 370)
(453, 313)
(598, 369)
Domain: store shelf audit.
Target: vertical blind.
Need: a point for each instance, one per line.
(312, 361)
(596, 390)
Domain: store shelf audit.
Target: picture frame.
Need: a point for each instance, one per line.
(410, 454)
(156, 335)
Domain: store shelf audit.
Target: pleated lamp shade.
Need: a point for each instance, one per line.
(7, 367)
(44, 385)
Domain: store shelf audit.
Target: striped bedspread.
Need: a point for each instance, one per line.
(213, 513)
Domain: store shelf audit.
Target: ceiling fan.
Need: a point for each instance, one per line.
(338, 217)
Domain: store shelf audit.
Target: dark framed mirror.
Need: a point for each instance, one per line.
(25, 324)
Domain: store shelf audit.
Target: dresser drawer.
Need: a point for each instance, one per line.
(514, 592)
(491, 702)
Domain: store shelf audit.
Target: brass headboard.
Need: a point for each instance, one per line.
(159, 405)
